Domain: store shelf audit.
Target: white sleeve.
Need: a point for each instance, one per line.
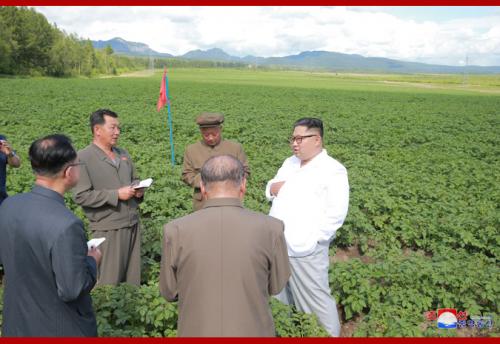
(337, 203)
(279, 177)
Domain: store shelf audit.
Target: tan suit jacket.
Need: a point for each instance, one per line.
(97, 189)
(222, 263)
(195, 156)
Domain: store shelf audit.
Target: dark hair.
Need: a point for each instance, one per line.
(50, 154)
(310, 123)
(97, 117)
(222, 168)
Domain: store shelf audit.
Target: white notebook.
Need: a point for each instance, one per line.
(95, 242)
(146, 183)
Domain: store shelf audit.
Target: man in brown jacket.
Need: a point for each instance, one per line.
(223, 262)
(109, 200)
(211, 145)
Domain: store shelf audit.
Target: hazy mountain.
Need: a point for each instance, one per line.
(121, 46)
(332, 61)
(214, 54)
(353, 62)
(319, 60)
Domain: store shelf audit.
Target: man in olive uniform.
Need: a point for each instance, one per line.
(107, 195)
(211, 145)
(224, 261)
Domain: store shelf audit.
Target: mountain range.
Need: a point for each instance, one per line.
(318, 60)
(121, 46)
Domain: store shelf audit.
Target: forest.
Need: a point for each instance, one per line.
(31, 46)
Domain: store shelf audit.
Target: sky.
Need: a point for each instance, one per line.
(438, 35)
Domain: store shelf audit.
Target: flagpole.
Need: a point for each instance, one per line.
(170, 122)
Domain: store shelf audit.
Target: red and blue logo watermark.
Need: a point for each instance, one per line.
(450, 318)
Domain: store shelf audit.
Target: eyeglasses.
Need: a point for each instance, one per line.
(299, 139)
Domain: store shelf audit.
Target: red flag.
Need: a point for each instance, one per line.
(162, 100)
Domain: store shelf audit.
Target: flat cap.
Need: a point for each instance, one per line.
(209, 119)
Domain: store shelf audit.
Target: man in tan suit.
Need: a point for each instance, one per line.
(223, 262)
(212, 145)
(106, 193)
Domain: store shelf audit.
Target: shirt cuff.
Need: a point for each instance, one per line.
(268, 191)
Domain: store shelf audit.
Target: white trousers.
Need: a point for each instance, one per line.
(308, 289)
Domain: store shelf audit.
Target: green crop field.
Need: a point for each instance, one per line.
(422, 153)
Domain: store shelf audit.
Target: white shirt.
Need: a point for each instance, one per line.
(312, 203)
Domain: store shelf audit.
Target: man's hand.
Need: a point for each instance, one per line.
(13, 160)
(275, 188)
(139, 193)
(125, 193)
(5, 147)
(96, 254)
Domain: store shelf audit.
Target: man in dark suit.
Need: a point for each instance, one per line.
(223, 262)
(49, 272)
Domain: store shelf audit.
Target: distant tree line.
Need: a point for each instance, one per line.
(180, 62)
(30, 45)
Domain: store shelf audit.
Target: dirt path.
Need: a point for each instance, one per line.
(137, 74)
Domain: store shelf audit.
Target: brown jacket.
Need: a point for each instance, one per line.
(222, 263)
(195, 156)
(97, 189)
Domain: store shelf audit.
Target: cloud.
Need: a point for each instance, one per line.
(279, 31)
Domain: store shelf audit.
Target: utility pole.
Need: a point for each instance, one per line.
(151, 64)
(465, 78)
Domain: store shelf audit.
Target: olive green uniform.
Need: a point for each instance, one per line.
(110, 217)
(195, 156)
